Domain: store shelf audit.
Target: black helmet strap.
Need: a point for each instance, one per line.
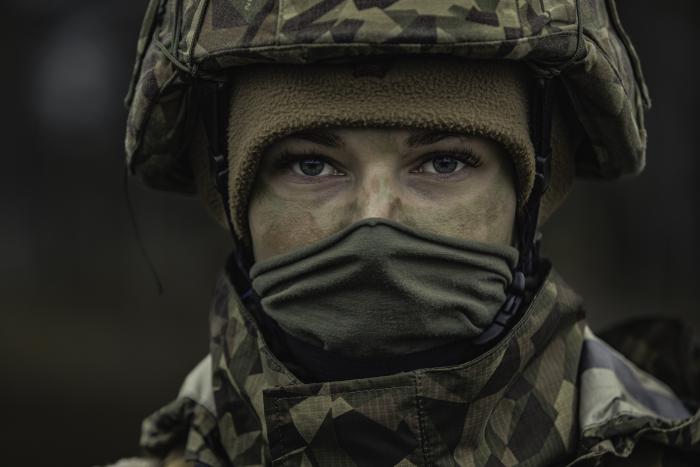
(541, 134)
(526, 221)
(214, 100)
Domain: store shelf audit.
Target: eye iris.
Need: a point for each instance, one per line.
(311, 166)
(444, 164)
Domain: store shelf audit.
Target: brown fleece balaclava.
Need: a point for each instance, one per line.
(486, 98)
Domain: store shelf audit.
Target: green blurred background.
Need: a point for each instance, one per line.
(88, 347)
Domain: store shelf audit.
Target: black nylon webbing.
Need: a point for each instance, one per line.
(214, 97)
(529, 262)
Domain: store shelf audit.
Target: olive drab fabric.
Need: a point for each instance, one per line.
(579, 42)
(549, 394)
(434, 290)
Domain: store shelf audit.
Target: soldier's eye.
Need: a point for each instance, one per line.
(448, 163)
(308, 165)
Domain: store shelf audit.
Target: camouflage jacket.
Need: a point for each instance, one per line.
(549, 394)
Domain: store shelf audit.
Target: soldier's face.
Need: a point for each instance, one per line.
(311, 185)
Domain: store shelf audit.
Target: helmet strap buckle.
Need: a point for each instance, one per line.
(526, 221)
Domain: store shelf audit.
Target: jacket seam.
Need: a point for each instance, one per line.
(422, 434)
(278, 410)
(342, 392)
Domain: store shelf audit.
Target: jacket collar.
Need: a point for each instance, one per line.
(515, 403)
(551, 393)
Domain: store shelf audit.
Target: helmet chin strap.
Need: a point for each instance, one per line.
(214, 98)
(529, 264)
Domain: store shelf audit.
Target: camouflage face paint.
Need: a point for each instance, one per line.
(378, 176)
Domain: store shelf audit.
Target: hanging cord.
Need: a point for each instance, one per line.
(528, 241)
(214, 99)
(137, 233)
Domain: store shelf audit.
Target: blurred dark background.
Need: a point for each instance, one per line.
(88, 348)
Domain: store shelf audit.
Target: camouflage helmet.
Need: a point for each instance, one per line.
(580, 43)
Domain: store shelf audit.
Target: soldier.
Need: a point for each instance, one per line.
(383, 168)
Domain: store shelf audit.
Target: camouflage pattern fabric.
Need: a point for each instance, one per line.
(667, 348)
(550, 393)
(579, 42)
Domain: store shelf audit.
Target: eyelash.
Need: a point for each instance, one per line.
(467, 157)
(286, 159)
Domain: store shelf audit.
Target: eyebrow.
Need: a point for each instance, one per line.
(320, 137)
(425, 138)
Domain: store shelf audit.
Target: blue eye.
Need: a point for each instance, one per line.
(445, 164)
(311, 167)
(308, 165)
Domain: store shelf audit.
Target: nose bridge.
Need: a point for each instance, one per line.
(379, 194)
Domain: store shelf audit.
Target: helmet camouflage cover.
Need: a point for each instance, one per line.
(581, 43)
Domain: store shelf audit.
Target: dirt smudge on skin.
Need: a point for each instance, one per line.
(479, 207)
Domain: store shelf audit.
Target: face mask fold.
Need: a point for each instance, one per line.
(379, 288)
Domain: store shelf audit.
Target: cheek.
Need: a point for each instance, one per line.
(481, 209)
(280, 224)
(497, 213)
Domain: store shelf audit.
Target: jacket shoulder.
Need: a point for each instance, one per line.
(669, 349)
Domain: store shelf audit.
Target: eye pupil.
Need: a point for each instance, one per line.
(444, 164)
(311, 166)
